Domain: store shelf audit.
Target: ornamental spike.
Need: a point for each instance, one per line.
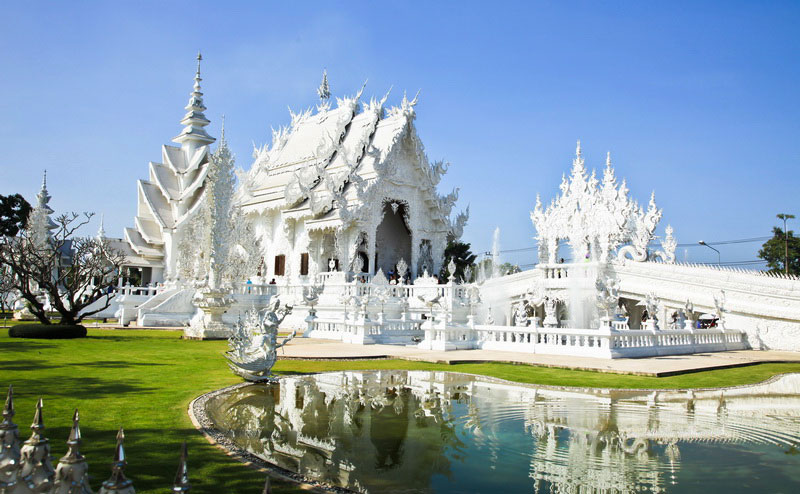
(75, 440)
(38, 421)
(182, 476)
(8, 409)
(118, 483)
(578, 149)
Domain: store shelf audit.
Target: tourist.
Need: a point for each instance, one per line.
(272, 282)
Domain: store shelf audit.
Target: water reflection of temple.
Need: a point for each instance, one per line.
(398, 428)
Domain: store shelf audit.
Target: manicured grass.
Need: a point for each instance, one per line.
(144, 381)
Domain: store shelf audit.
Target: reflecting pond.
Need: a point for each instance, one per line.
(426, 432)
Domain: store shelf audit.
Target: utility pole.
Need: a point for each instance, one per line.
(784, 217)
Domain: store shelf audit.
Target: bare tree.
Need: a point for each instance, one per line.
(6, 289)
(72, 272)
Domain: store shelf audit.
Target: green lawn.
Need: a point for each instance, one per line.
(144, 381)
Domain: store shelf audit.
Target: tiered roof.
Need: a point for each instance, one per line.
(174, 189)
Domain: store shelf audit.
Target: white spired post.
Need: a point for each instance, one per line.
(217, 236)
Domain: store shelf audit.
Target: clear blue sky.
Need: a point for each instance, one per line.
(698, 101)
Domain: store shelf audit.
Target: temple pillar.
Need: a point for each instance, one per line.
(372, 249)
(414, 256)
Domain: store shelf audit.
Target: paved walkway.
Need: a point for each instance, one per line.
(652, 366)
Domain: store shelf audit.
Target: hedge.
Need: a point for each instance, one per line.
(47, 331)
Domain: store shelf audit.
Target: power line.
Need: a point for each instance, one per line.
(692, 244)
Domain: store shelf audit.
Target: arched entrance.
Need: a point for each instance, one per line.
(393, 237)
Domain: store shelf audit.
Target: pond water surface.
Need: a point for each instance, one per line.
(426, 432)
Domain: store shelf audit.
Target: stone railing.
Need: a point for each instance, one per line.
(256, 289)
(26, 468)
(609, 343)
(363, 331)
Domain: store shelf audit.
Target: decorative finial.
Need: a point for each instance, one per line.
(199, 59)
(222, 131)
(608, 159)
(578, 149)
(118, 483)
(324, 89)
(44, 180)
(75, 439)
(182, 476)
(38, 422)
(8, 409)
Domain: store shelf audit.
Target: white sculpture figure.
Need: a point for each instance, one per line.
(468, 274)
(451, 269)
(253, 345)
(719, 309)
(550, 311)
(689, 315)
(651, 304)
(489, 317)
(521, 314)
(667, 254)
(311, 297)
(430, 301)
(607, 298)
(621, 314)
(380, 289)
(402, 269)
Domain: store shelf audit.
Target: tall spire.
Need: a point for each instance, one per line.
(43, 197)
(195, 121)
(40, 225)
(101, 232)
(324, 89)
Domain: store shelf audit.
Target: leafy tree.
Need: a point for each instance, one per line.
(72, 272)
(508, 268)
(773, 251)
(14, 211)
(461, 254)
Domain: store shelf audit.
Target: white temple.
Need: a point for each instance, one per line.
(345, 195)
(348, 189)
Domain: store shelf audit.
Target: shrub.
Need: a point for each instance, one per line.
(47, 331)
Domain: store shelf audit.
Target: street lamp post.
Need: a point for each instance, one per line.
(719, 257)
(784, 217)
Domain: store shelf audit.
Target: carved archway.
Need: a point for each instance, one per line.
(393, 236)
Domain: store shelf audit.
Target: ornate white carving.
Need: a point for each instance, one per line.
(253, 344)
(667, 254)
(595, 218)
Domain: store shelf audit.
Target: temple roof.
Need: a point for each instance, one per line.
(332, 141)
